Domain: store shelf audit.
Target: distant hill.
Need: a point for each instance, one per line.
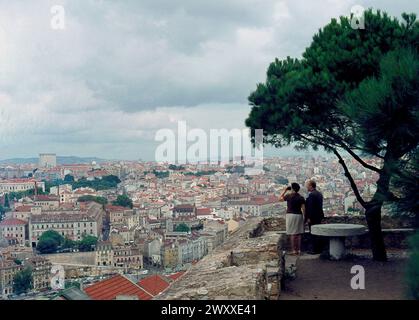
(60, 160)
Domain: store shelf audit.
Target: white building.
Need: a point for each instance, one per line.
(47, 160)
(18, 185)
(71, 225)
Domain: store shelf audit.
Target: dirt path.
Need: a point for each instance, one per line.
(324, 279)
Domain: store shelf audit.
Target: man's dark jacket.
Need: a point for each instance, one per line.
(314, 207)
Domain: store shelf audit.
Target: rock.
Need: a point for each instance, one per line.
(202, 291)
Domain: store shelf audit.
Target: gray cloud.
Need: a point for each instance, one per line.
(123, 69)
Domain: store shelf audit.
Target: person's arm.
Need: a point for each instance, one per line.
(303, 210)
(282, 196)
(308, 206)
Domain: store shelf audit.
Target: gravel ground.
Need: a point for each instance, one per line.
(319, 279)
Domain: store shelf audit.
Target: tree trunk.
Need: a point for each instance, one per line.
(373, 217)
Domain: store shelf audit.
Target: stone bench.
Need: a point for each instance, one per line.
(337, 232)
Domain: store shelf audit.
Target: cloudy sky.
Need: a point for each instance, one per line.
(121, 70)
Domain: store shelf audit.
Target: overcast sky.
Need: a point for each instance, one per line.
(120, 70)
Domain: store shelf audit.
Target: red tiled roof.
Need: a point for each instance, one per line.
(184, 206)
(84, 191)
(203, 211)
(98, 173)
(154, 284)
(18, 181)
(110, 207)
(67, 206)
(23, 209)
(43, 197)
(12, 222)
(176, 275)
(118, 285)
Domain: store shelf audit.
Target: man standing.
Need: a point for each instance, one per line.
(314, 213)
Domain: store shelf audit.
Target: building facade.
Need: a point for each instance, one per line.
(71, 225)
(13, 230)
(19, 185)
(47, 160)
(41, 272)
(8, 270)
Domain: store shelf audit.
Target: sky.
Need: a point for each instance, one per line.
(119, 71)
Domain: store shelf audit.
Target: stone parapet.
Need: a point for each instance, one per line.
(246, 267)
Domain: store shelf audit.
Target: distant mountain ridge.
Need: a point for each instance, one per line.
(60, 160)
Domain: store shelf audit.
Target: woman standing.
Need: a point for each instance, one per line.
(295, 215)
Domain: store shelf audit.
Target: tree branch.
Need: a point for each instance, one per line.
(345, 168)
(351, 180)
(352, 153)
(362, 162)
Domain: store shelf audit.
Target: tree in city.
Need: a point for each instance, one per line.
(88, 198)
(23, 281)
(87, 243)
(111, 179)
(68, 178)
(354, 92)
(123, 201)
(6, 201)
(47, 246)
(182, 228)
(2, 212)
(68, 243)
(49, 242)
(281, 180)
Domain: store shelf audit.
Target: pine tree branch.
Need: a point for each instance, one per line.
(351, 180)
(344, 146)
(362, 162)
(345, 168)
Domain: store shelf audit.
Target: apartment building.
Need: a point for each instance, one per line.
(71, 225)
(122, 256)
(18, 185)
(8, 270)
(41, 272)
(127, 257)
(13, 230)
(46, 202)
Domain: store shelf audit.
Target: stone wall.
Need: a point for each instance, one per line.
(387, 222)
(245, 267)
(75, 258)
(396, 231)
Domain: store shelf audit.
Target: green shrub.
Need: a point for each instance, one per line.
(413, 268)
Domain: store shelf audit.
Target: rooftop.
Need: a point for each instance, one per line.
(12, 222)
(118, 285)
(154, 284)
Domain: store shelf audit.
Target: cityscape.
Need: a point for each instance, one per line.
(243, 151)
(144, 220)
